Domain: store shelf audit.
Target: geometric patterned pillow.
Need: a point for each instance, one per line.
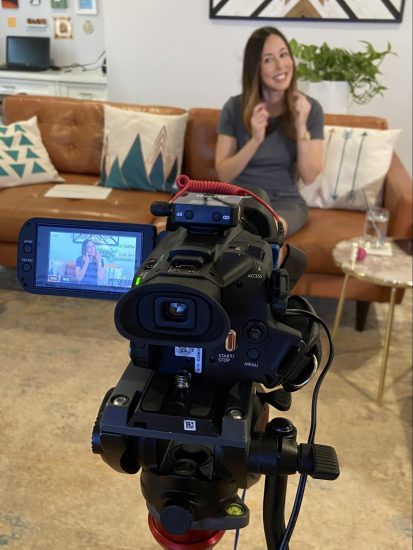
(24, 159)
(142, 150)
(355, 164)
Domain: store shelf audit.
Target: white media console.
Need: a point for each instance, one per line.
(69, 83)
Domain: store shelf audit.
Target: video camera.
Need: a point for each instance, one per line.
(210, 322)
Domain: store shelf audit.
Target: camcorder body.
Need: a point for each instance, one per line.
(210, 322)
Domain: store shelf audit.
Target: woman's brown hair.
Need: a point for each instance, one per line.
(251, 81)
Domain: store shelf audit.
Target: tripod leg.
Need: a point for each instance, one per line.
(275, 491)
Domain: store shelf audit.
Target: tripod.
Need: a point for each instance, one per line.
(197, 444)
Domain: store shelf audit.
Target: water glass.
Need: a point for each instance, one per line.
(375, 226)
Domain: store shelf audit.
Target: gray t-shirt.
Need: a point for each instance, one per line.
(273, 167)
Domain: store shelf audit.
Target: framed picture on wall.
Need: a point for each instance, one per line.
(353, 11)
(86, 7)
(62, 27)
(10, 4)
(58, 4)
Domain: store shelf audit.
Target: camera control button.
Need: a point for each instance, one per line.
(189, 214)
(255, 331)
(27, 267)
(253, 354)
(217, 216)
(27, 248)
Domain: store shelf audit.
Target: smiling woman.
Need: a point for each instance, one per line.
(271, 133)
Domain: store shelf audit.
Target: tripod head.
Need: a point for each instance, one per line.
(190, 482)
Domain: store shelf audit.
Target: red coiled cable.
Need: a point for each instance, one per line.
(186, 185)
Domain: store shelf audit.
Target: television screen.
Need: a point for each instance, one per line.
(28, 52)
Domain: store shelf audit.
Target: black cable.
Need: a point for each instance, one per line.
(75, 65)
(244, 492)
(303, 478)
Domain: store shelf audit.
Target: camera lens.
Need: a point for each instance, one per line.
(175, 311)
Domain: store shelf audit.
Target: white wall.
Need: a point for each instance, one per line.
(168, 52)
(83, 48)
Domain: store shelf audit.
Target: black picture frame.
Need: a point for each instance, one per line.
(354, 11)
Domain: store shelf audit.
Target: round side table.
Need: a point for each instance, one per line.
(393, 271)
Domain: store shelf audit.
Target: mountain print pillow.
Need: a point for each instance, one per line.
(24, 159)
(142, 150)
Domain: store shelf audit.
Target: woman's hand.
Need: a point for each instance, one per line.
(302, 108)
(259, 122)
(86, 259)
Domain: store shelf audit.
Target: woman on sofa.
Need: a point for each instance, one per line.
(89, 266)
(271, 134)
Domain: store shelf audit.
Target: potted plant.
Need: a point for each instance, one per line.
(360, 70)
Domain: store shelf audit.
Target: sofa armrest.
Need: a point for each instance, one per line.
(398, 200)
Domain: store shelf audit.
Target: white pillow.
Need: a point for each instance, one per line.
(142, 150)
(24, 159)
(354, 159)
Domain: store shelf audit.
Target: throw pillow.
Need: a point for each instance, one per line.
(355, 159)
(24, 159)
(142, 150)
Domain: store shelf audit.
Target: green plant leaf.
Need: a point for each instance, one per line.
(360, 69)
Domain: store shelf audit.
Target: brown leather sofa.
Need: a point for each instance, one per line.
(72, 131)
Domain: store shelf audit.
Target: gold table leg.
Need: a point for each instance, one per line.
(340, 305)
(389, 327)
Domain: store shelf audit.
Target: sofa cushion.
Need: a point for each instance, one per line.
(142, 150)
(24, 159)
(19, 204)
(355, 159)
(325, 228)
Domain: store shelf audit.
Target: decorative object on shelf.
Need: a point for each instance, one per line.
(88, 27)
(10, 4)
(36, 22)
(86, 7)
(331, 10)
(35, 2)
(62, 27)
(359, 69)
(58, 4)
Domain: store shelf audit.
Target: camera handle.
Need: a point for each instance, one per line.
(275, 491)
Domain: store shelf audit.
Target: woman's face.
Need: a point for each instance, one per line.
(90, 248)
(277, 65)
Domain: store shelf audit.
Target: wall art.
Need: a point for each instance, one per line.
(58, 4)
(10, 4)
(86, 7)
(39, 22)
(385, 11)
(62, 27)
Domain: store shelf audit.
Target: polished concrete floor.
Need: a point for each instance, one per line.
(59, 356)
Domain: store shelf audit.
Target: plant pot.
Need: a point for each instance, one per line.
(333, 96)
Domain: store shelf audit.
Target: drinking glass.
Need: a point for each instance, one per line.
(375, 226)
